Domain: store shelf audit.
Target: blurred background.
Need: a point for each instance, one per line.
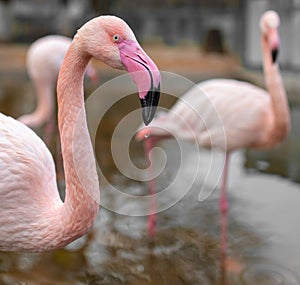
(198, 39)
(171, 22)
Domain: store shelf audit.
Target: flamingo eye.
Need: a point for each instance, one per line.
(116, 38)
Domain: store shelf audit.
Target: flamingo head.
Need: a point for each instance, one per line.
(269, 24)
(110, 39)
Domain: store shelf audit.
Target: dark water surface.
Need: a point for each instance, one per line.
(264, 224)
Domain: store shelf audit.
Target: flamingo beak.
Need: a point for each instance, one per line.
(274, 44)
(274, 55)
(149, 104)
(144, 73)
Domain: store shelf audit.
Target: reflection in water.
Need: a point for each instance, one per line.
(263, 222)
(173, 259)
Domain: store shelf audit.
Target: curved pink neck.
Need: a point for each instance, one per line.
(82, 187)
(274, 85)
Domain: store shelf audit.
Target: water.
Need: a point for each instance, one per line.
(264, 225)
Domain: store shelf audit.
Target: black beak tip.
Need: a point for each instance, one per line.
(149, 105)
(274, 55)
(148, 114)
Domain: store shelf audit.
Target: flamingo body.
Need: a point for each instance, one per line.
(230, 114)
(27, 202)
(225, 113)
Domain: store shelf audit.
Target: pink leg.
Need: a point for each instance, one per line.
(224, 210)
(148, 145)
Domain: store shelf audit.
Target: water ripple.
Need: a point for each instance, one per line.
(268, 274)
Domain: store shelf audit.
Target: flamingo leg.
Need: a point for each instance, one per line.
(224, 211)
(148, 145)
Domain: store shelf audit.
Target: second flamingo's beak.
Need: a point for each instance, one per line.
(144, 73)
(274, 44)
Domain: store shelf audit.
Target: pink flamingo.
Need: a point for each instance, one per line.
(32, 215)
(43, 61)
(250, 116)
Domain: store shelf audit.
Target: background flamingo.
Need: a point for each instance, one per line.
(43, 61)
(32, 216)
(250, 116)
